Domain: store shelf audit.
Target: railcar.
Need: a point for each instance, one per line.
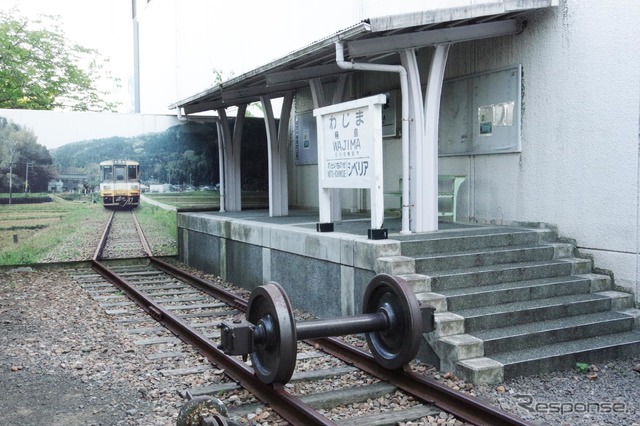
(120, 183)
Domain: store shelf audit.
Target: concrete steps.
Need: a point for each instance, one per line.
(497, 274)
(471, 239)
(475, 258)
(532, 311)
(490, 295)
(535, 335)
(514, 301)
(565, 355)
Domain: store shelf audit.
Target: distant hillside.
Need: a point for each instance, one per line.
(182, 154)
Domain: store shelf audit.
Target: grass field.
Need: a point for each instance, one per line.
(29, 232)
(69, 229)
(208, 199)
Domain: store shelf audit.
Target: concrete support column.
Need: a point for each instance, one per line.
(221, 166)
(319, 101)
(277, 154)
(231, 161)
(235, 152)
(416, 130)
(427, 153)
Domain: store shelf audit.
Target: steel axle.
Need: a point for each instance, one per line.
(392, 320)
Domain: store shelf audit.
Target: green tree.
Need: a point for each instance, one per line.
(30, 163)
(40, 69)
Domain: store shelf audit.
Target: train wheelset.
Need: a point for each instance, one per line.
(392, 321)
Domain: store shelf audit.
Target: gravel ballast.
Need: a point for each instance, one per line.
(64, 362)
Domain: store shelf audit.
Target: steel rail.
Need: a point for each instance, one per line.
(143, 239)
(290, 407)
(213, 290)
(463, 407)
(103, 238)
(457, 403)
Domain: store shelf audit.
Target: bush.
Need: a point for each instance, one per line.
(26, 200)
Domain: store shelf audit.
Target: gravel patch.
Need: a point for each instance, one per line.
(604, 394)
(60, 361)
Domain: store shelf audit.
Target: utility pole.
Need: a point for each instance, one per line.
(136, 56)
(13, 145)
(26, 181)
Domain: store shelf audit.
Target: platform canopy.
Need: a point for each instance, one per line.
(370, 40)
(376, 44)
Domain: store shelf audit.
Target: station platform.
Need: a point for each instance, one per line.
(324, 273)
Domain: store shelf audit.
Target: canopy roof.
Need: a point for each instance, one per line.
(371, 40)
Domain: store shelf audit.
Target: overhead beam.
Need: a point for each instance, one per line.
(259, 90)
(303, 74)
(417, 40)
(237, 97)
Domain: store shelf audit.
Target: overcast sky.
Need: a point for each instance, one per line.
(265, 30)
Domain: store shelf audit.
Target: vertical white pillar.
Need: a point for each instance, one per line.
(277, 155)
(221, 165)
(427, 153)
(230, 185)
(416, 129)
(233, 152)
(319, 101)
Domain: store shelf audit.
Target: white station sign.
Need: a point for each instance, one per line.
(350, 151)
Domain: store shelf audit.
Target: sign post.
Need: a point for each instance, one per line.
(350, 156)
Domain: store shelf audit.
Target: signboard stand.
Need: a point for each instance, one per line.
(350, 156)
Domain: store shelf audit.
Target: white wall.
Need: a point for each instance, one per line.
(579, 165)
(578, 169)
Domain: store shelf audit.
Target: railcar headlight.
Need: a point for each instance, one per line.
(134, 186)
(107, 187)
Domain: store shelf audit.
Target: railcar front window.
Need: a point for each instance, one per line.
(120, 173)
(107, 173)
(133, 172)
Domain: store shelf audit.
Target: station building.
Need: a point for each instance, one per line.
(504, 114)
(67, 183)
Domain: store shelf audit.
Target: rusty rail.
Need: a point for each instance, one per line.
(103, 238)
(290, 407)
(143, 239)
(211, 289)
(462, 406)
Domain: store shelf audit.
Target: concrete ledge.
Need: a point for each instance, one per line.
(395, 265)
(598, 282)
(200, 222)
(481, 371)
(619, 299)
(307, 243)
(337, 247)
(546, 235)
(579, 266)
(458, 347)
(438, 301)
(367, 252)
(635, 314)
(448, 323)
(419, 283)
(562, 250)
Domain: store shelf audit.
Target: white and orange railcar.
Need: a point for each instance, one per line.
(120, 183)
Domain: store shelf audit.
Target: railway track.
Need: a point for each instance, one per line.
(122, 238)
(333, 382)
